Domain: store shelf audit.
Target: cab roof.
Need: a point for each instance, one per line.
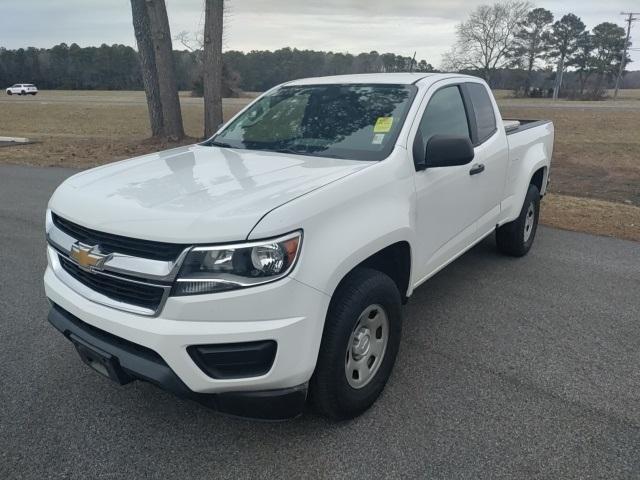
(381, 78)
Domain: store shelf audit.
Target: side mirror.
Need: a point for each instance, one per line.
(446, 151)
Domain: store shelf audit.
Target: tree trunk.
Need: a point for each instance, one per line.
(600, 80)
(487, 73)
(212, 79)
(527, 83)
(161, 35)
(582, 79)
(559, 74)
(142, 29)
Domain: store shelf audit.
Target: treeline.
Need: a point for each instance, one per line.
(512, 35)
(116, 67)
(113, 67)
(260, 70)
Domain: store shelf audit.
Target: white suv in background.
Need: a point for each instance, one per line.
(22, 89)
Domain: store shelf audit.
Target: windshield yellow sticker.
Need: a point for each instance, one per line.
(383, 125)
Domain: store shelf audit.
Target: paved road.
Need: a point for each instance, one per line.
(618, 105)
(103, 97)
(508, 368)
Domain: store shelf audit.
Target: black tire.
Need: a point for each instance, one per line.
(23, 92)
(330, 392)
(9, 92)
(515, 238)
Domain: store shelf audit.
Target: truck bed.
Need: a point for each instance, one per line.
(512, 125)
(530, 145)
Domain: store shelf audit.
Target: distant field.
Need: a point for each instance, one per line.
(87, 128)
(626, 94)
(597, 150)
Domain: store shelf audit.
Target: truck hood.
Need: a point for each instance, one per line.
(194, 194)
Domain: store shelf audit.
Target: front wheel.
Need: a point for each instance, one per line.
(359, 345)
(9, 92)
(515, 238)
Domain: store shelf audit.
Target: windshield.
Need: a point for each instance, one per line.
(355, 122)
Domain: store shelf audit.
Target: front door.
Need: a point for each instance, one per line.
(447, 203)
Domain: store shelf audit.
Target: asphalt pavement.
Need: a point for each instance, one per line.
(508, 368)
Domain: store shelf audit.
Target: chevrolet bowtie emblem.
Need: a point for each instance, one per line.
(86, 257)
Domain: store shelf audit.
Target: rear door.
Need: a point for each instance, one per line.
(491, 153)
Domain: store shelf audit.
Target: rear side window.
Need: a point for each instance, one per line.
(483, 109)
(444, 115)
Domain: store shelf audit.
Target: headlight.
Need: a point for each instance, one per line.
(229, 267)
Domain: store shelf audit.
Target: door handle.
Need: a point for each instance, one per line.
(476, 169)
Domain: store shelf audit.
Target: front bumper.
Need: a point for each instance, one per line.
(137, 362)
(288, 312)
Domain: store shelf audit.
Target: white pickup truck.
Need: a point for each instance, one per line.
(268, 264)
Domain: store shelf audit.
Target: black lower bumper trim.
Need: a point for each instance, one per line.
(142, 363)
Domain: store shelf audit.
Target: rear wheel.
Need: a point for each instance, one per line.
(516, 238)
(359, 345)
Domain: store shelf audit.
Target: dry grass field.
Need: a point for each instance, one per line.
(85, 129)
(595, 182)
(595, 175)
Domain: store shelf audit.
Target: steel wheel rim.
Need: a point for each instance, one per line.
(367, 346)
(529, 220)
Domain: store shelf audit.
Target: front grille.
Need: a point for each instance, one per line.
(146, 296)
(111, 243)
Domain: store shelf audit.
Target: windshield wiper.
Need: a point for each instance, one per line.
(304, 152)
(287, 150)
(213, 143)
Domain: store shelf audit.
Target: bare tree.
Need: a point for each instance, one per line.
(485, 38)
(212, 62)
(193, 44)
(161, 35)
(146, 54)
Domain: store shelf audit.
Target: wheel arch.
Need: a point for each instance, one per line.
(534, 170)
(539, 179)
(394, 261)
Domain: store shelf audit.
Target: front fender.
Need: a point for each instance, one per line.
(346, 221)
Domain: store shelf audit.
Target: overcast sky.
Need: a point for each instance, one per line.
(399, 26)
